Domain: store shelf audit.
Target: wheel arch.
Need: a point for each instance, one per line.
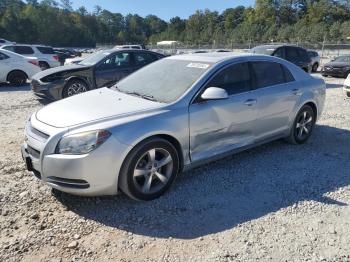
(313, 106)
(15, 70)
(171, 139)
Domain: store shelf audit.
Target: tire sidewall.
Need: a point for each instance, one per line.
(127, 181)
(294, 134)
(13, 74)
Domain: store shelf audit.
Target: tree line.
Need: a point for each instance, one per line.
(56, 23)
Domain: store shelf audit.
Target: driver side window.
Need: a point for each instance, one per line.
(234, 79)
(119, 60)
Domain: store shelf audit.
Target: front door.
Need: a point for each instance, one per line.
(113, 69)
(218, 126)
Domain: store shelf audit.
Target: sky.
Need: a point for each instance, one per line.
(164, 9)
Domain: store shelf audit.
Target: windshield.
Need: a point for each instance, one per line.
(263, 50)
(342, 59)
(95, 58)
(165, 80)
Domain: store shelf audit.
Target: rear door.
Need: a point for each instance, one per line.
(278, 93)
(142, 59)
(5, 66)
(113, 68)
(218, 126)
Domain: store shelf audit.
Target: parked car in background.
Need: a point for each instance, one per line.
(130, 47)
(295, 54)
(63, 54)
(169, 116)
(5, 42)
(46, 55)
(74, 60)
(102, 69)
(17, 69)
(339, 67)
(315, 60)
(346, 87)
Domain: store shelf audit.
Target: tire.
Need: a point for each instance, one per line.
(303, 126)
(314, 67)
(143, 179)
(74, 87)
(17, 78)
(44, 65)
(348, 94)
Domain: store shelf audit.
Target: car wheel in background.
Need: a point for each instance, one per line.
(44, 65)
(314, 67)
(302, 126)
(149, 169)
(348, 94)
(17, 78)
(74, 87)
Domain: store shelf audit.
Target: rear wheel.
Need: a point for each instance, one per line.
(348, 94)
(149, 169)
(44, 65)
(314, 67)
(302, 126)
(74, 87)
(17, 78)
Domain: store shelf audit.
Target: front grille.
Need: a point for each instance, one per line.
(39, 133)
(33, 152)
(71, 183)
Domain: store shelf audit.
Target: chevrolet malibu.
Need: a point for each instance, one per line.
(169, 116)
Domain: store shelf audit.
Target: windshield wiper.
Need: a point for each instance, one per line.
(148, 97)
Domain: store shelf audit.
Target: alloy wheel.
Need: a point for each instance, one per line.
(153, 171)
(76, 88)
(304, 125)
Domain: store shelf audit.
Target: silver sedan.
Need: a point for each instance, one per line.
(169, 116)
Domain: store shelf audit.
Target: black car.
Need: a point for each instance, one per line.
(339, 67)
(102, 69)
(294, 54)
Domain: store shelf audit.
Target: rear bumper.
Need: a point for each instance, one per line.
(334, 72)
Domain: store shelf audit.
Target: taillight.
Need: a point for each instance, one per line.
(55, 57)
(34, 62)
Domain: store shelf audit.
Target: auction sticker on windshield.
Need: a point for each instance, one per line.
(198, 65)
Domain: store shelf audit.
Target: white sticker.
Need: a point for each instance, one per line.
(106, 53)
(198, 65)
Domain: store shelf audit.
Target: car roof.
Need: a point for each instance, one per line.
(213, 57)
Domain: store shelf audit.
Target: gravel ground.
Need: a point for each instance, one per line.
(277, 202)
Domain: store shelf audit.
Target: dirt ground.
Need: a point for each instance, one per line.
(277, 202)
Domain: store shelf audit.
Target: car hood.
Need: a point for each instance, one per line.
(93, 106)
(59, 69)
(338, 64)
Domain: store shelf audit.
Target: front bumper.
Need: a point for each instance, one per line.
(93, 174)
(52, 90)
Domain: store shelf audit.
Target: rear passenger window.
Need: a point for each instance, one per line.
(268, 73)
(292, 54)
(288, 75)
(3, 56)
(45, 50)
(24, 50)
(234, 79)
(142, 59)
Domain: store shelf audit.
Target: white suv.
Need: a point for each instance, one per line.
(46, 55)
(5, 42)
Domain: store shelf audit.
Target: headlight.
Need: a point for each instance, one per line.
(82, 143)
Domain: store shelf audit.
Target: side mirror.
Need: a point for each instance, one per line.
(214, 93)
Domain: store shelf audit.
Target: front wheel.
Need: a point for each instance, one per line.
(348, 94)
(149, 169)
(74, 87)
(315, 67)
(302, 126)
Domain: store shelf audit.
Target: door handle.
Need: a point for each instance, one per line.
(250, 102)
(295, 91)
